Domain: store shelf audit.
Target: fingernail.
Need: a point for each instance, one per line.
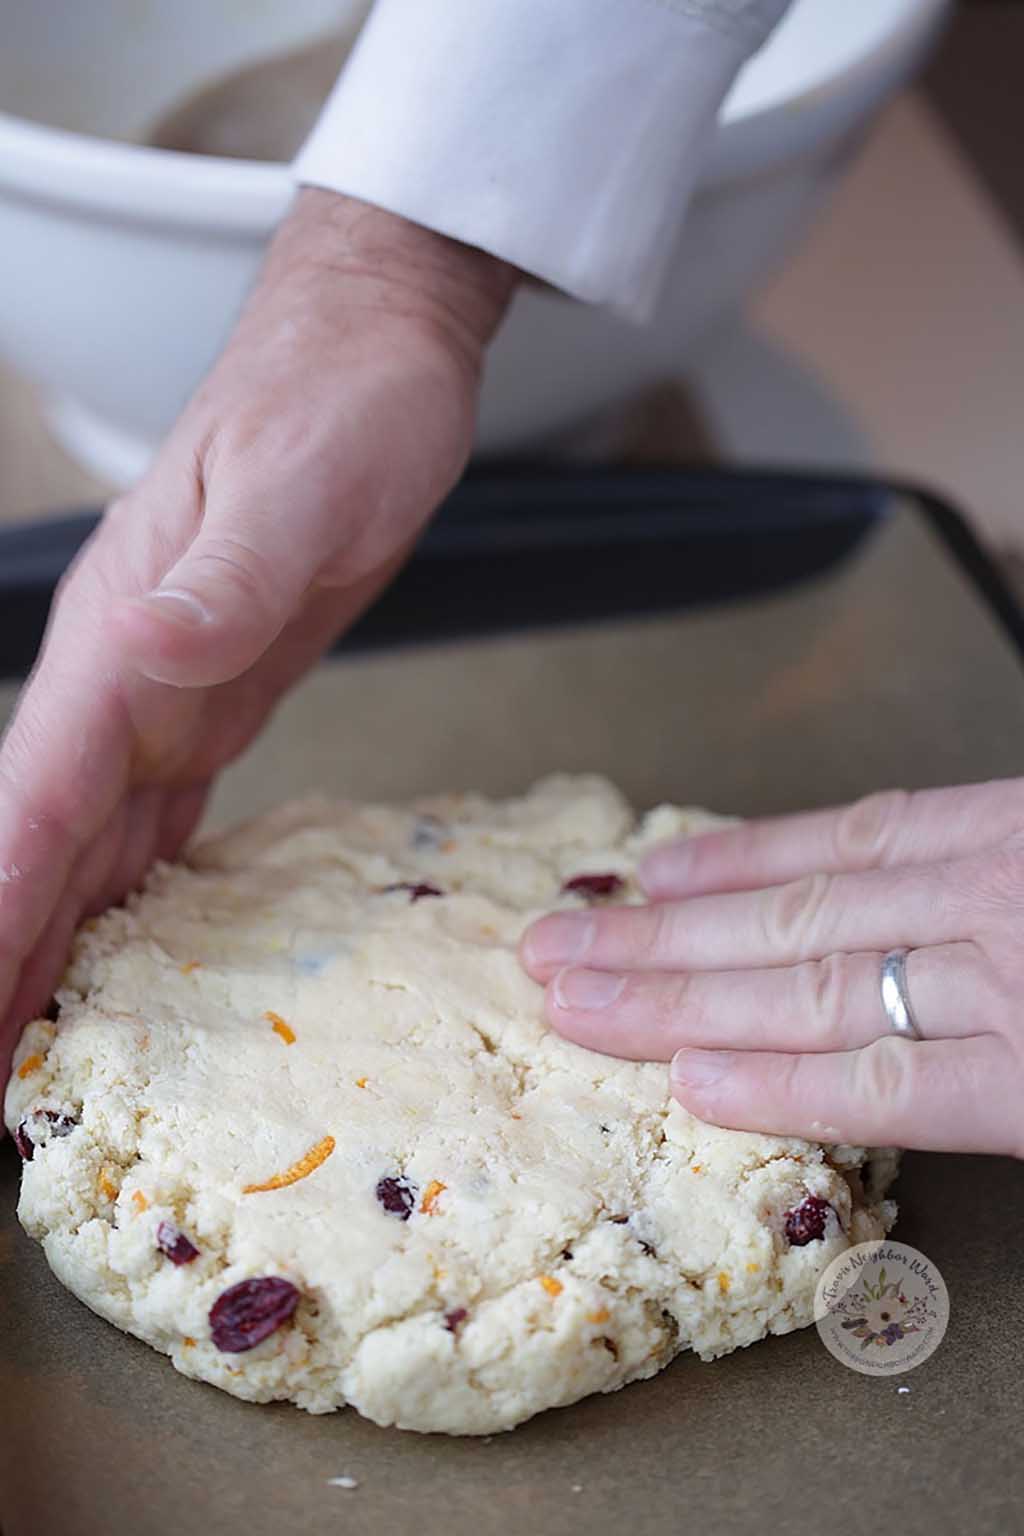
(588, 990)
(700, 1069)
(559, 940)
(177, 606)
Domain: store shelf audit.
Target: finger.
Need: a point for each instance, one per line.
(231, 598)
(40, 974)
(39, 856)
(63, 772)
(250, 700)
(182, 813)
(219, 609)
(936, 1095)
(832, 1004)
(804, 920)
(55, 804)
(35, 968)
(138, 821)
(63, 768)
(878, 832)
(113, 864)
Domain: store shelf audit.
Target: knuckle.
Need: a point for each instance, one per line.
(883, 1073)
(787, 1079)
(655, 930)
(863, 832)
(790, 912)
(825, 988)
(679, 1004)
(683, 858)
(239, 566)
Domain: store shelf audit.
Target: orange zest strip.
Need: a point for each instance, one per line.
(106, 1184)
(600, 1316)
(300, 1170)
(430, 1194)
(361, 1082)
(752, 1269)
(280, 1027)
(724, 1282)
(30, 1064)
(188, 1343)
(551, 1285)
(140, 1202)
(695, 1168)
(189, 967)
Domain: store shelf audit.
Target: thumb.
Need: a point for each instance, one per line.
(229, 596)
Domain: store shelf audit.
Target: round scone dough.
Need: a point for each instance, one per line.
(292, 1060)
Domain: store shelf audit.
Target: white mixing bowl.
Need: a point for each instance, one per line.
(121, 266)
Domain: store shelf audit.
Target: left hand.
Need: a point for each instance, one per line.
(756, 969)
(292, 487)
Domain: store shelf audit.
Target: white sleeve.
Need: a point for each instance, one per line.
(562, 135)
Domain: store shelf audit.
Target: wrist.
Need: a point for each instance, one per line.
(369, 258)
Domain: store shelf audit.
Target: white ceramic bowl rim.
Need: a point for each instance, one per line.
(143, 184)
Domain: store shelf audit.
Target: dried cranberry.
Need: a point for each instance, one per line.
(397, 1195)
(453, 1319)
(60, 1125)
(175, 1244)
(593, 887)
(416, 892)
(249, 1312)
(806, 1223)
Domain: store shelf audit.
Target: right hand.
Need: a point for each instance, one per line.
(290, 491)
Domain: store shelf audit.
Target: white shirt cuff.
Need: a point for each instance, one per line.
(564, 136)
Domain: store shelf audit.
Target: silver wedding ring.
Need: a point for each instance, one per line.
(896, 995)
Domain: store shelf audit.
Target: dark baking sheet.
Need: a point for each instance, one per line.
(514, 549)
(888, 667)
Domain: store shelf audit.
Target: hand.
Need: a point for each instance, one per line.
(289, 492)
(756, 969)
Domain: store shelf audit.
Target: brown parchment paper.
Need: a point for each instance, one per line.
(889, 672)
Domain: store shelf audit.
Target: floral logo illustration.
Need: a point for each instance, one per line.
(883, 1314)
(881, 1308)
